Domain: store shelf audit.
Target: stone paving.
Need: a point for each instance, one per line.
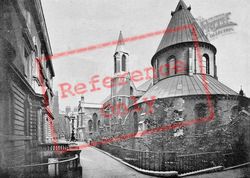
(97, 164)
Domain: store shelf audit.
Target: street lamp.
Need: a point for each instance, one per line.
(72, 118)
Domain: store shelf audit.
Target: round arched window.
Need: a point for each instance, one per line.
(205, 64)
(94, 117)
(90, 124)
(123, 63)
(171, 65)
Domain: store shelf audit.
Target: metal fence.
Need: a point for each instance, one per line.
(194, 162)
(170, 161)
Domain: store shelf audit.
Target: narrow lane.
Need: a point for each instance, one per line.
(97, 164)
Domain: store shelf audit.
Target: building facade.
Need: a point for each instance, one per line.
(183, 107)
(89, 121)
(191, 107)
(26, 80)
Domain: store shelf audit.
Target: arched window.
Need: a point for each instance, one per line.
(135, 122)
(90, 125)
(171, 65)
(98, 125)
(156, 69)
(123, 63)
(118, 69)
(115, 66)
(200, 112)
(180, 7)
(205, 64)
(94, 117)
(131, 91)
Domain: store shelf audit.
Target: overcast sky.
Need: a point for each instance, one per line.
(75, 24)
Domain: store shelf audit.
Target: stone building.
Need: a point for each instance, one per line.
(115, 107)
(89, 120)
(60, 123)
(26, 81)
(191, 105)
(183, 107)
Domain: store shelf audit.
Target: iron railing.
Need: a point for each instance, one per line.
(199, 161)
(54, 147)
(170, 161)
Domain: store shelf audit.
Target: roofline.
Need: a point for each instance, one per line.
(39, 8)
(185, 96)
(181, 43)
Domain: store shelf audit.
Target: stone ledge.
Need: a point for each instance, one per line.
(148, 172)
(208, 170)
(19, 138)
(237, 166)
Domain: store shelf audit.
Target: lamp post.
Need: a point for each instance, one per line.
(72, 118)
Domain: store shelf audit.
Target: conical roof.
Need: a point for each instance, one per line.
(120, 43)
(181, 17)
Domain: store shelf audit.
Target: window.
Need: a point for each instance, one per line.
(94, 117)
(98, 125)
(234, 112)
(131, 91)
(81, 120)
(200, 112)
(90, 124)
(118, 66)
(123, 63)
(26, 63)
(156, 71)
(172, 65)
(115, 65)
(205, 64)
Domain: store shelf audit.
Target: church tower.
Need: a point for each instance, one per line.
(120, 91)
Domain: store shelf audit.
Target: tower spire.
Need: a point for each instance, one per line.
(181, 5)
(120, 43)
(120, 56)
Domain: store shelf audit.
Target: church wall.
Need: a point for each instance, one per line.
(120, 86)
(191, 141)
(181, 54)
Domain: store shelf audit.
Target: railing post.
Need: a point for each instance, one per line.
(52, 168)
(163, 166)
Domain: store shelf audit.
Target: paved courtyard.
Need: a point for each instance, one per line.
(97, 164)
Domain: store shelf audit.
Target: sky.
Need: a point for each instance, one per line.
(74, 24)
